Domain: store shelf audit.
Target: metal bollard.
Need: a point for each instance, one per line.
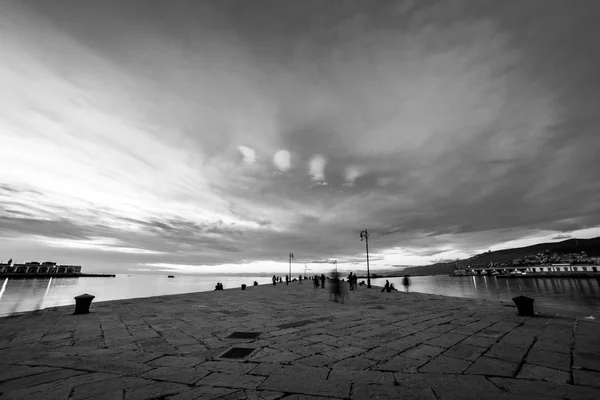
(82, 303)
(524, 305)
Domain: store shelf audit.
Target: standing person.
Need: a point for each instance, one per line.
(406, 283)
(322, 281)
(350, 281)
(355, 282)
(287, 279)
(274, 280)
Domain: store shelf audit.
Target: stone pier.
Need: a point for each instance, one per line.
(373, 346)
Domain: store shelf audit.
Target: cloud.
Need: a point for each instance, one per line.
(281, 159)
(351, 173)
(465, 128)
(248, 154)
(316, 167)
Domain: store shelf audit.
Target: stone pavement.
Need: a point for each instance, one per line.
(374, 346)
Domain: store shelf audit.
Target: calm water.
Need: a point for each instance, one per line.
(570, 297)
(17, 295)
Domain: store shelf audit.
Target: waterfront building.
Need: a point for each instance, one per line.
(36, 268)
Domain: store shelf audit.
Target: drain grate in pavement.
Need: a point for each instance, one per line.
(244, 335)
(295, 324)
(237, 353)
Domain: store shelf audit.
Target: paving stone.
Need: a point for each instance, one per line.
(447, 340)
(464, 352)
(586, 378)
(492, 367)
(519, 337)
(316, 361)
(234, 367)
(20, 371)
(423, 351)
(526, 387)
(380, 353)
(317, 387)
(154, 390)
(240, 381)
(203, 392)
(554, 345)
(479, 341)
(180, 375)
(582, 393)
(360, 392)
(38, 379)
(298, 371)
(506, 352)
(176, 361)
(343, 352)
(403, 344)
(94, 389)
(306, 397)
(355, 363)
(400, 363)
(529, 371)
(587, 359)
(363, 377)
(549, 359)
(274, 356)
(444, 364)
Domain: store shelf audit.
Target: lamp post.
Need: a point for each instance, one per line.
(291, 256)
(364, 235)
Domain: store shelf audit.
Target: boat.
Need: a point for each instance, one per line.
(171, 276)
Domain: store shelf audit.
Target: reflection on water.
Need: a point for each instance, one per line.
(18, 295)
(569, 297)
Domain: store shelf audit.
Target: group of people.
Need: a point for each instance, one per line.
(316, 279)
(388, 287)
(278, 279)
(353, 281)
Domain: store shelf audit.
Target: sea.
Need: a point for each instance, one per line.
(563, 296)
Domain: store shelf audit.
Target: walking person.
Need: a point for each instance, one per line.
(322, 281)
(274, 280)
(406, 283)
(287, 279)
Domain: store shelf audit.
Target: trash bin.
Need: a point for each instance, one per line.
(524, 305)
(82, 303)
(243, 286)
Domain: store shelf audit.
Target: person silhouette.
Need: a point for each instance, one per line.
(406, 283)
(386, 288)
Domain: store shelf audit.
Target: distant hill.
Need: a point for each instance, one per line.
(590, 246)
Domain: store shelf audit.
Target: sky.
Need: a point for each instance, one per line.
(214, 137)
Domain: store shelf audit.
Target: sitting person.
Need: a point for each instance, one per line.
(386, 288)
